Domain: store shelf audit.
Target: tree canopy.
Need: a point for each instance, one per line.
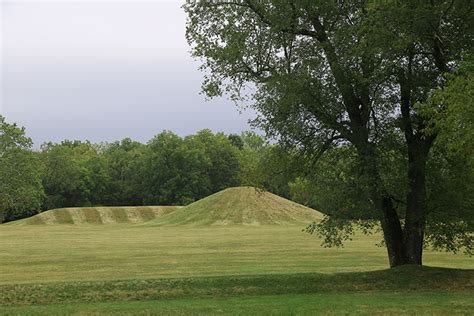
(326, 74)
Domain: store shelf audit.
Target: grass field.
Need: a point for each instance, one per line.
(365, 303)
(58, 269)
(110, 252)
(236, 252)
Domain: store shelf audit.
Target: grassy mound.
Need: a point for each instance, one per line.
(241, 205)
(233, 206)
(97, 215)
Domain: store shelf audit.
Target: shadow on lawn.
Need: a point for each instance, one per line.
(405, 278)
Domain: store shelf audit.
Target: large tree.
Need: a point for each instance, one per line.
(326, 73)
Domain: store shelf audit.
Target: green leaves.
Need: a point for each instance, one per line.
(12, 136)
(450, 110)
(21, 191)
(328, 74)
(178, 171)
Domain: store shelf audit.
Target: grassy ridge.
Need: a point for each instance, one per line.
(408, 278)
(97, 215)
(241, 205)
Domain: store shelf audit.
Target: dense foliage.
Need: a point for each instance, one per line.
(358, 79)
(21, 193)
(168, 170)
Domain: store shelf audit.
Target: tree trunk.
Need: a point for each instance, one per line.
(416, 201)
(418, 147)
(390, 221)
(404, 246)
(393, 234)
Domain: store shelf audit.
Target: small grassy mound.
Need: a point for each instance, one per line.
(97, 215)
(241, 206)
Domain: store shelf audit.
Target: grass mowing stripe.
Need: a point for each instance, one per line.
(37, 220)
(147, 213)
(106, 215)
(134, 215)
(62, 216)
(77, 216)
(97, 215)
(407, 278)
(47, 217)
(120, 215)
(92, 216)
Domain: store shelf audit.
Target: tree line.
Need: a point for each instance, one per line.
(167, 170)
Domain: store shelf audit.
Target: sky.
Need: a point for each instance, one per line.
(104, 70)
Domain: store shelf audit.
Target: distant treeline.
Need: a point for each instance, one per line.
(168, 170)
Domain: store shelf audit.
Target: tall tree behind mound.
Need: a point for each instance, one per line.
(328, 73)
(242, 206)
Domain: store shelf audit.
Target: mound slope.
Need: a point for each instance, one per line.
(241, 205)
(98, 215)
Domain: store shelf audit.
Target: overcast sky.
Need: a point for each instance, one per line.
(103, 70)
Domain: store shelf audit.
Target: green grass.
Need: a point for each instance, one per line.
(365, 303)
(44, 253)
(213, 269)
(97, 215)
(241, 205)
(407, 279)
(140, 269)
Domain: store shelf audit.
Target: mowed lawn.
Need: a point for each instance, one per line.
(99, 269)
(366, 303)
(30, 254)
